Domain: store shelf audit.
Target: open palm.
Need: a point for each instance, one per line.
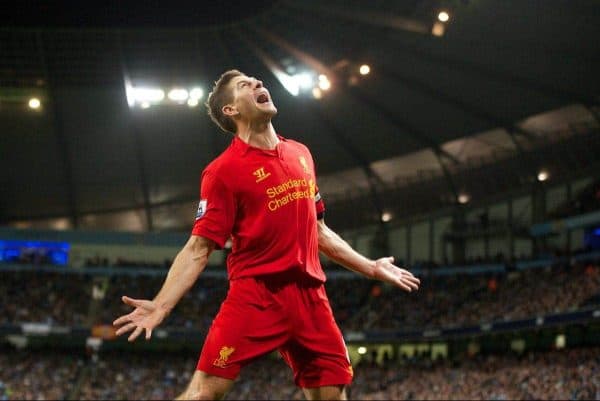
(145, 316)
(385, 270)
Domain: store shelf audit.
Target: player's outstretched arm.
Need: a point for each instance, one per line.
(338, 250)
(184, 272)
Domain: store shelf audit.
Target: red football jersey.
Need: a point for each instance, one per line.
(267, 202)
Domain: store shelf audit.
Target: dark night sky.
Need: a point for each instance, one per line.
(150, 13)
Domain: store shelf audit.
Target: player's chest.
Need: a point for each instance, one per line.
(275, 177)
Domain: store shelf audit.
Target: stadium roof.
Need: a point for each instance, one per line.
(500, 90)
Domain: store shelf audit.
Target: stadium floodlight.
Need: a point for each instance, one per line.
(304, 80)
(543, 176)
(196, 93)
(362, 350)
(289, 82)
(178, 95)
(324, 83)
(34, 103)
(386, 216)
(144, 95)
(192, 102)
(364, 69)
(443, 16)
(317, 94)
(145, 105)
(463, 198)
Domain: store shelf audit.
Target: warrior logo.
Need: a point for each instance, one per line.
(260, 174)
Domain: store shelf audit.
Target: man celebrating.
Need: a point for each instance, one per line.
(261, 192)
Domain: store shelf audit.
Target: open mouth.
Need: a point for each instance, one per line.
(262, 98)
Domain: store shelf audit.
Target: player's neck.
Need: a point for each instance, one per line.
(260, 135)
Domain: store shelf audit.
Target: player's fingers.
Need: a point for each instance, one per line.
(138, 330)
(123, 319)
(148, 334)
(411, 284)
(125, 329)
(401, 284)
(131, 301)
(412, 279)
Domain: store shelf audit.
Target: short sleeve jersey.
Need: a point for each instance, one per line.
(268, 203)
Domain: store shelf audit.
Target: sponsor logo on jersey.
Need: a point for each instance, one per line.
(290, 191)
(201, 209)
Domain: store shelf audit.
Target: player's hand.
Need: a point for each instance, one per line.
(385, 270)
(146, 316)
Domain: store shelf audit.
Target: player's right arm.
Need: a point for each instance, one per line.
(185, 270)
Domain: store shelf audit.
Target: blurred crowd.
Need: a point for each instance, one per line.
(565, 374)
(358, 304)
(38, 375)
(44, 297)
(125, 262)
(561, 375)
(463, 300)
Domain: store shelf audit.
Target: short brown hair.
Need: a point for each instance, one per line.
(218, 98)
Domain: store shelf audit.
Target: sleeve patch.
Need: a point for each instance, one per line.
(201, 209)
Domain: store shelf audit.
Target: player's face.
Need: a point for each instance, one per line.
(251, 99)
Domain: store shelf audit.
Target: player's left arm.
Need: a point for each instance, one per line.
(338, 250)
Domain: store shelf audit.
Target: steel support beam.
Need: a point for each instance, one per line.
(454, 101)
(366, 17)
(139, 148)
(58, 126)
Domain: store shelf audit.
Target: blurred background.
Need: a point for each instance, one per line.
(460, 136)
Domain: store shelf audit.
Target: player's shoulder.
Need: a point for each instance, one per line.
(297, 145)
(222, 164)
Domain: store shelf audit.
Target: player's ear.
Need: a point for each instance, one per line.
(230, 110)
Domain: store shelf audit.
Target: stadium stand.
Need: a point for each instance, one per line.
(559, 374)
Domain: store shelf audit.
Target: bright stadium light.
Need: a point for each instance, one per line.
(192, 102)
(364, 69)
(443, 16)
(178, 95)
(317, 94)
(362, 350)
(386, 216)
(463, 198)
(304, 80)
(325, 84)
(196, 93)
(145, 105)
(289, 82)
(543, 176)
(144, 95)
(34, 103)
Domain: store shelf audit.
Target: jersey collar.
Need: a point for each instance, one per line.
(243, 148)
